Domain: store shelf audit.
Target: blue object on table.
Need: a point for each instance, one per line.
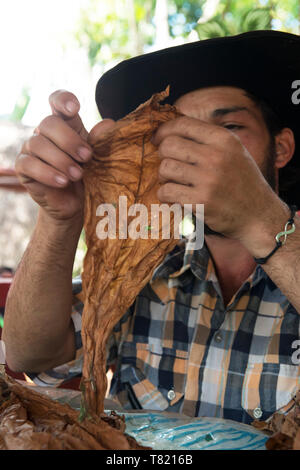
(162, 432)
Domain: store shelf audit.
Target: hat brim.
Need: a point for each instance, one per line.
(264, 63)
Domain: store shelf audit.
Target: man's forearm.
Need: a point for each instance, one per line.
(38, 332)
(284, 266)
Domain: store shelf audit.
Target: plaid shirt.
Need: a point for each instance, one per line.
(179, 348)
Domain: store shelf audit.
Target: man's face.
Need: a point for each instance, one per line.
(231, 108)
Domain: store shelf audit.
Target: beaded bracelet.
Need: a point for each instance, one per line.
(284, 234)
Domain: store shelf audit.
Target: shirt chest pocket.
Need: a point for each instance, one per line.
(268, 387)
(156, 375)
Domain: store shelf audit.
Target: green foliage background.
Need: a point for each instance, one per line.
(113, 30)
(117, 29)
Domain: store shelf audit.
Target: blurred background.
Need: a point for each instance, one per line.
(68, 44)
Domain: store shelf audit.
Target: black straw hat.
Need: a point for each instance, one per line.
(264, 63)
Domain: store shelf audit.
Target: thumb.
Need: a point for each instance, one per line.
(100, 129)
(65, 105)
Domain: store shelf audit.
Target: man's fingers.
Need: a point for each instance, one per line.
(179, 148)
(35, 189)
(31, 169)
(65, 105)
(178, 172)
(61, 134)
(190, 128)
(173, 193)
(46, 151)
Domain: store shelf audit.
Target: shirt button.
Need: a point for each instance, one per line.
(257, 413)
(171, 395)
(218, 338)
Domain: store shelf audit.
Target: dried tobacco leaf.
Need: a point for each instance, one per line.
(125, 163)
(32, 421)
(284, 428)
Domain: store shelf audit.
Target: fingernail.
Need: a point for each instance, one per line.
(61, 180)
(75, 172)
(71, 107)
(84, 153)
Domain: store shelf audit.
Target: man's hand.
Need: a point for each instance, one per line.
(50, 162)
(206, 164)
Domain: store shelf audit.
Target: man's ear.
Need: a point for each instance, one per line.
(285, 147)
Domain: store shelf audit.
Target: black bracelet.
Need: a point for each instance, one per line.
(284, 234)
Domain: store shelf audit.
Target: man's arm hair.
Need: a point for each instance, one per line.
(38, 331)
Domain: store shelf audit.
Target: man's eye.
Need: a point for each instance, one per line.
(232, 126)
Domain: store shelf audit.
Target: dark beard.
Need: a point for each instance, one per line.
(269, 174)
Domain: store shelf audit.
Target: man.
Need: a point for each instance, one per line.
(214, 333)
